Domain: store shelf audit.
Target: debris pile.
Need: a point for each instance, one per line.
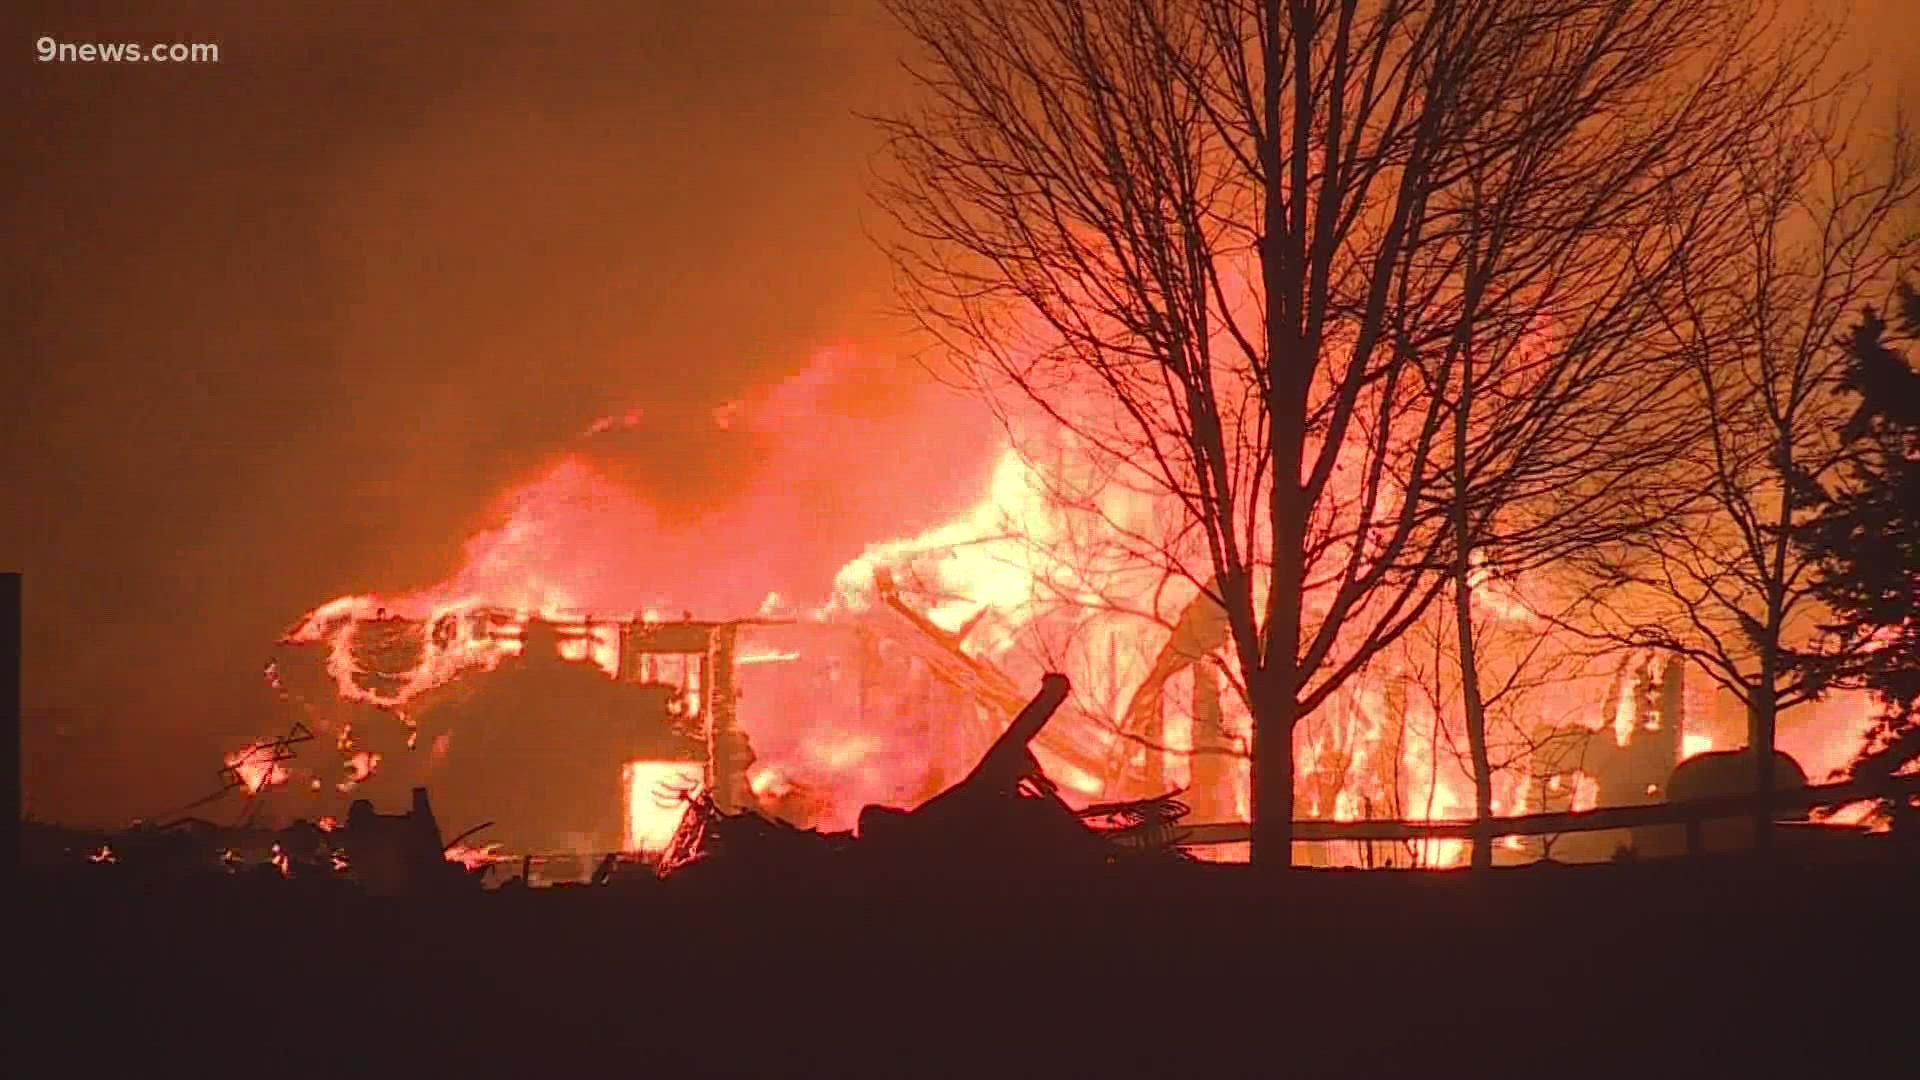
(1005, 813)
(382, 854)
(402, 854)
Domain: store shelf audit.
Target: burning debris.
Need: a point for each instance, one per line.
(1005, 812)
(262, 764)
(383, 854)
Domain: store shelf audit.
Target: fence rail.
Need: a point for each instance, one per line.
(1689, 813)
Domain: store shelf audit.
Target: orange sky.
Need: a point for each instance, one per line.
(279, 328)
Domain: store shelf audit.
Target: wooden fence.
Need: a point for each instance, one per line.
(1690, 814)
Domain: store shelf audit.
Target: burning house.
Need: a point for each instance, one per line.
(588, 734)
(516, 694)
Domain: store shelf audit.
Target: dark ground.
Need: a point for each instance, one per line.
(1531, 971)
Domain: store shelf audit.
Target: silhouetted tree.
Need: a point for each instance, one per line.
(1757, 333)
(1866, 539)
(1235, 244)
(1554, 425)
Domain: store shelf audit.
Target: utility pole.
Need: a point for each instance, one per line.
(10, 638)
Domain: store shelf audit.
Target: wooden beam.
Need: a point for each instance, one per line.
(984, 682)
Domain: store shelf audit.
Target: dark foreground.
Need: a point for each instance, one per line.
(1380, 971)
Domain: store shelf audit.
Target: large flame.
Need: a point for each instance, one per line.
(1040, 570)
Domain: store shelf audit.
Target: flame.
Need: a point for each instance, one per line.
(768, 784)
(104, 855)
(1032, 566)
(473, 858)
(256, 766)
(1627, 716)
(1586, 793)
(658, 794)
(360, 767)
(1497, 595)
(746, 659)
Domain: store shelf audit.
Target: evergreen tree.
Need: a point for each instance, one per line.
(1866, 539)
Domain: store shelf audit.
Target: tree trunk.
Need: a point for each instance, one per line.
(1276, 701)
(1271, 780)
(1273, 680)
(1470, 699)
(1761, 717)
(1476, 710)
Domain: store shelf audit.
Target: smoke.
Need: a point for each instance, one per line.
(286, 326)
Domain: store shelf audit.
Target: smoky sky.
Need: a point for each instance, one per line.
(281, 327)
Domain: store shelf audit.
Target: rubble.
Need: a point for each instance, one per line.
(1005, 812)
(402, 854)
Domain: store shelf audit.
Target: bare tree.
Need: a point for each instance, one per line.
(1758, 333)
(1223, 241)
(1559, 405)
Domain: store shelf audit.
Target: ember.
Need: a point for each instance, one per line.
(258, 766)
(474, 858)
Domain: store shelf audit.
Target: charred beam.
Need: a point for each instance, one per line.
(1010, 751)
(728, 755)
(987, 684)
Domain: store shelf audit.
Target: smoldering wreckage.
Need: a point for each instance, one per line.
(611, 750)
(689, 796)
(1005, 812)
